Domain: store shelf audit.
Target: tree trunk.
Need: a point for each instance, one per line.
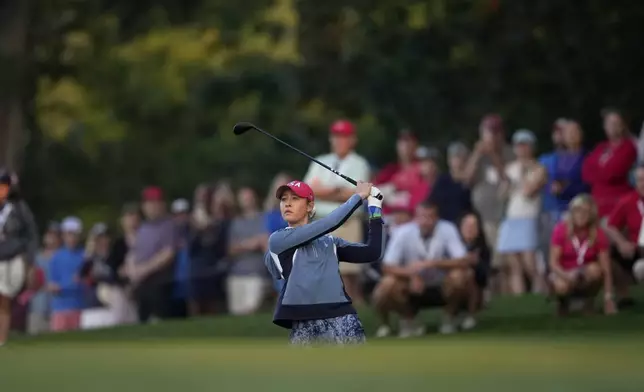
(14, 20)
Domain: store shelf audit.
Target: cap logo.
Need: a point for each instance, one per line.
(295, 183)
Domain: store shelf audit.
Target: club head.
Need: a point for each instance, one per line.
(242, 127)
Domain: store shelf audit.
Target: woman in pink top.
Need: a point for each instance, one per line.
(579, 258)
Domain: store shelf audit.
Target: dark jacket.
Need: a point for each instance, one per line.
(208, 249)
(19, 234)
(452, 198)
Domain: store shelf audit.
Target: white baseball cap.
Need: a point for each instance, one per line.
(71, 224)
(180, 205)
(524, 136)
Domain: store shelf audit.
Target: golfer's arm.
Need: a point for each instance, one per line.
(373, 250)
(286, 239)
(271, 266)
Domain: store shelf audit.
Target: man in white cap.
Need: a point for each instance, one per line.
(180, 208)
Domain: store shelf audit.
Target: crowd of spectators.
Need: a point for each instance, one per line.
(500, 220)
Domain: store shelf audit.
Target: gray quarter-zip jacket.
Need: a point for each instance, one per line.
(306, 258)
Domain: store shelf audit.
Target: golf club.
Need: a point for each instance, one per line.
(244, 127)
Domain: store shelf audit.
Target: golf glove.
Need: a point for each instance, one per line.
(374, 202)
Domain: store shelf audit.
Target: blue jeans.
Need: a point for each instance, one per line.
(337, 331)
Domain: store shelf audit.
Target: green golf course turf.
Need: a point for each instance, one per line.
(519, 346)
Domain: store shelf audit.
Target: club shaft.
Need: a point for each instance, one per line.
(349, 179)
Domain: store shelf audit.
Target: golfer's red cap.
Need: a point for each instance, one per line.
(343, 128)
(302, 189)
(152, 193)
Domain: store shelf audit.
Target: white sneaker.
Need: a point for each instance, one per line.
(638, 270)
(447, 329)
(405, 329)
(418, 330)
(383, 331)
(447, 326)
(487, 297)
(469, 322)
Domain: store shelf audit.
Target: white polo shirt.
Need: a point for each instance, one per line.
(406, 246)
(353, 165)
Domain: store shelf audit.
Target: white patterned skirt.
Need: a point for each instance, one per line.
(518, 235)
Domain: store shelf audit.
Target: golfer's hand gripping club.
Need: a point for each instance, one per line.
(375, 198)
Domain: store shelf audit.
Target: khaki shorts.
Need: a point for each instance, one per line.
(350, 231)
(12, 276)
(245, 294)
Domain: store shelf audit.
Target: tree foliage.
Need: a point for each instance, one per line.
(128, 93)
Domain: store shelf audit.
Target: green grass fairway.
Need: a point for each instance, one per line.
(437, 365)
(519, 346)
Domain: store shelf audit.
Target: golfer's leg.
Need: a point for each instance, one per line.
(307, 332)
(344, 330)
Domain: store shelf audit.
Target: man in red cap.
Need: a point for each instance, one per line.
(331, 191)
(150, 267)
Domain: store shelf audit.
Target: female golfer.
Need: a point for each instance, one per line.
(304, 258)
